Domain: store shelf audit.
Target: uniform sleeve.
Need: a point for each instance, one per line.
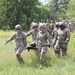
(11, 38)
(37, 38)
(29, 33)
(49, 38)
(25, 40)
(55, 37)
(52, 34)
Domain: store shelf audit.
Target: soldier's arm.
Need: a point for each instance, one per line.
(37, 38)
(49, 28)
(25, 40)
(54, 38)
(49, 39)
(29, 33)
(10, 39)
(53, 32)
(56, 35)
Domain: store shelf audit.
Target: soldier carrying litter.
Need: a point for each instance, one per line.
(62, 39)
(42, 37)
(48, 27)
(20, 40)
(54, 32)
(33, 32)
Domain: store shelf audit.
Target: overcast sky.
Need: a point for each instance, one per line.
(43, 1)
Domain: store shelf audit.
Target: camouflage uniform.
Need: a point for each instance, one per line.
(42, 43)
(32, 24)
(62, 38)
(33, 32)
(20, 40)
(48, 27)
(66, 23)
(54, 32)
(71, 26)
(51, 27)
(41, 22)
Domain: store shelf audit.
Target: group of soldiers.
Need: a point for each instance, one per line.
(51, 34)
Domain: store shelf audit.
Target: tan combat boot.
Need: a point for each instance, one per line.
(41, 65)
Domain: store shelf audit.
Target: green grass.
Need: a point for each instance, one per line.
(53, 66)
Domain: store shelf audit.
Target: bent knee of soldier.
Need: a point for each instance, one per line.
(56, 47)
(19, 50)
(17, 53)
(44, 49)
(64, 46)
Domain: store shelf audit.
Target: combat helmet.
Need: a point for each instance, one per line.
(34, 20)
(42, 26)
(35, 25)
(62, 24)
(18, 27)
(57, 24)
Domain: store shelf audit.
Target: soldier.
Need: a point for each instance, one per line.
(66, 23)
(33, 32)
(62, 39)
(71, 25)
(20, 40)
(51, 26)
(54, 33)
(61, 20)
(47, 25)
(42, 43)
(41, 22)
(55, 29)
(34, 22)
(55, 21)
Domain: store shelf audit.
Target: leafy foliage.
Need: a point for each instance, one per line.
(58, 8)
(71, 10)
(23, 12)
(18, 11)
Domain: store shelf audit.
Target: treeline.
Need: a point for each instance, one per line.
(23, 12)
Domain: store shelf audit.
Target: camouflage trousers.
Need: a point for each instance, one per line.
(62, 46)
(42, 50)
(18, 51)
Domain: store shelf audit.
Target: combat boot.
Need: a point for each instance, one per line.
(20, 59)
(64, 53)
(41, 65)
(57, 54)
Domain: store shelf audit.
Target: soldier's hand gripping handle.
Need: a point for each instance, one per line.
(28, 48)
(49, 46)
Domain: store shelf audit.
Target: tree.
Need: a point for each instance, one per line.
(71, 10)
(57, 7)
(19, 11)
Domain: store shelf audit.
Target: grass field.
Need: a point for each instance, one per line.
(53, 66)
